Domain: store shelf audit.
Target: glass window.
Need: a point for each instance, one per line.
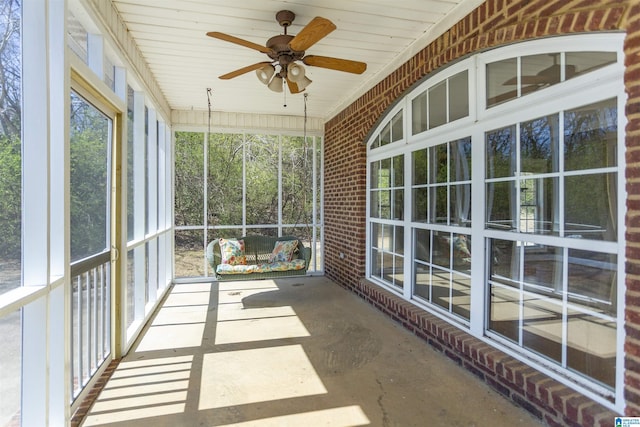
(550, 190)
(437, 105)
(502, 81)
(90, 134)
(10, 147)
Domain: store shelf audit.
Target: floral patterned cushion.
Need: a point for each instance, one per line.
(296, 264)
(283, 251)
(236, 269)
(232, 251)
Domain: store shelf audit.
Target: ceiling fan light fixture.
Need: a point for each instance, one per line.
(265, 73)
(275, 84)
(303, 83)
(295, 72)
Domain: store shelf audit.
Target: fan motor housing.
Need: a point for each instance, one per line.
(280, 50)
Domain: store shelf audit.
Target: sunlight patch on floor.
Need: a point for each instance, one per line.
(143, 389)
(257, 375)
(335, 417)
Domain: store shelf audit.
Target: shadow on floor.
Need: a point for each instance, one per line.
(288, 352)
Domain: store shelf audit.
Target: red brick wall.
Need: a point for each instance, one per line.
(494, 23)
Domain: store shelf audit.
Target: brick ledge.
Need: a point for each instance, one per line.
(547, 399)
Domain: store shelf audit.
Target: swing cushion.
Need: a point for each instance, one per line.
(264, 257)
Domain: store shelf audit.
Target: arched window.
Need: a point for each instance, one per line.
(496, 201)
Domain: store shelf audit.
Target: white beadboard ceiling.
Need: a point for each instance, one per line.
(171, 34)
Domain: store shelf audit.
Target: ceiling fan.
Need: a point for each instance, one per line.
(286, 50)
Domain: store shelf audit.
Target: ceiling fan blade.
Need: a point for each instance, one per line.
(293, 87)
(241, 42)
(243, 70)
(338, 64)
(313, 32)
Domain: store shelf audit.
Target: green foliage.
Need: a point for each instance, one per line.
(10, 197)
(257, 159)
(89, 193)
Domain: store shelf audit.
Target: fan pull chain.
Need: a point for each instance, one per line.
(284, 93)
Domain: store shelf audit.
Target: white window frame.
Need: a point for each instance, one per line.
(569, 94)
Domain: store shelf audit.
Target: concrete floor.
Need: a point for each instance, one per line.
(291, 352)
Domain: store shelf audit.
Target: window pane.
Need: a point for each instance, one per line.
(504, 262)
(420, 204)
(11, 151)
(261, 165)
(460, 160)
(539, 206)
(590, 136)
(397, 127)
(504, 312)
(130, 163)
(440, 288)
(189, 178)
(297, 160)
(501, 153)
(422, 245)
(543, 268)
(502, 81)
(539, 72)
(189, 253)
(459, 96)
(438, 105)
(441, 249)
(591, 206)
(419, 113)
(460, 205)
(579, 63)
(419, 167)
(385, 135)
(501, 205)
(11, 368)
(461, 295)
(591, 346)
(438, 205)
(438, 164)
(90, 135)
(542, 325)
(539, 145)
(224, 183)
(398, 171)
(592, 280)
(398, 204)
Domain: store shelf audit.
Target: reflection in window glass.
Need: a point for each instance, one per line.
(397, 127)
(501, 205)
(539, 71)
(459, 96)
(442, 268)
(419, 114)
(501, 159)
(592, 279)
(578, 63)
(591, 206)
(387, 253)
(542, 325)
(539, 141)
(591, 343)
(438, 105)
(11, 148)
(502, 81)
(590, 136)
